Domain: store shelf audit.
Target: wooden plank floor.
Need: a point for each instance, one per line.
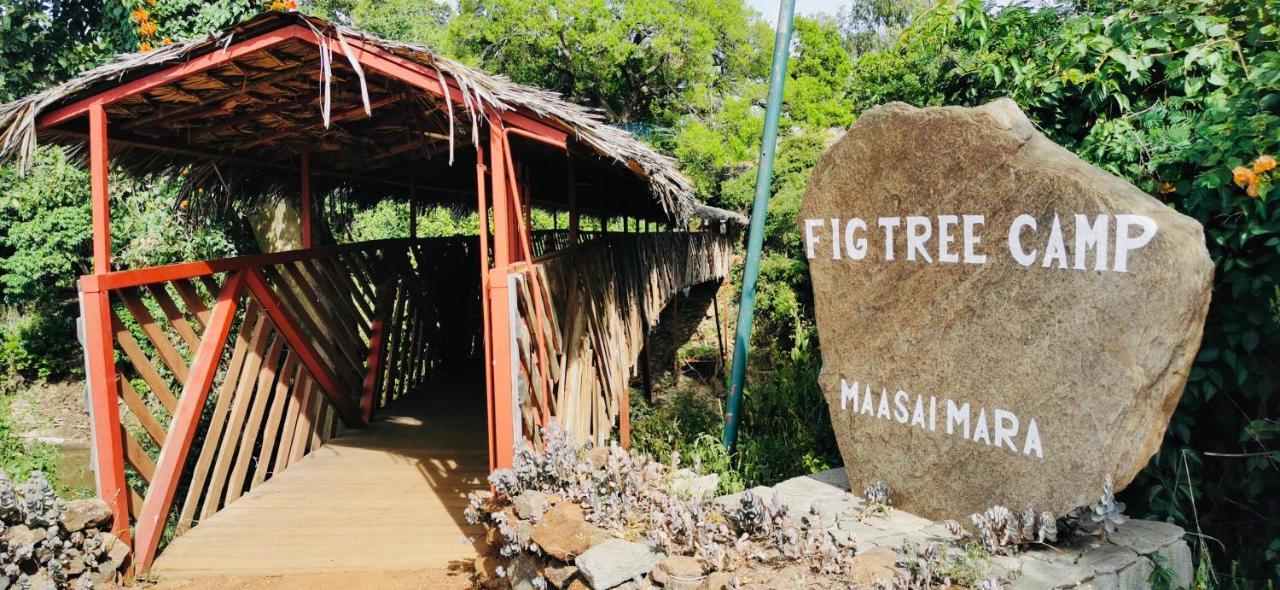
(386, 497)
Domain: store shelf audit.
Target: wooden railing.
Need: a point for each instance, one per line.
(573, 358)
(221, 374)
(546, 241)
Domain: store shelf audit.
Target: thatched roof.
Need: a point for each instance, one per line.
(235, 130)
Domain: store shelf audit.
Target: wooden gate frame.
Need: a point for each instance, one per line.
(510, 244)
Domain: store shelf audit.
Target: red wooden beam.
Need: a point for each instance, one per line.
(302, 347)
(177, 72)
(105, 410)
(503, 424)
(482, 209)
(98, 189)
(186, 419)
(186, 270)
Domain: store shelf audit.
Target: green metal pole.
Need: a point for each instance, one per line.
(755, 234)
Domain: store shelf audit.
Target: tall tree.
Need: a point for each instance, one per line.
(638, 60)
(418, 21)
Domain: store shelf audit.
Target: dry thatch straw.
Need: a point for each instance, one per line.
(236, 129)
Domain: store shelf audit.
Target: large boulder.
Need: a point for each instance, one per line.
(1000, 322)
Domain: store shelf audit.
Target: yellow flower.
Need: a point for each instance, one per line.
(167, 41)
(182, 204)
(148, 29)
(1263, 164)
(1243, 176)
(1252, 191)
(1167, 187)
(144, 46)
(139, 15)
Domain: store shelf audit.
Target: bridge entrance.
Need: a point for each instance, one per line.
(260, 405)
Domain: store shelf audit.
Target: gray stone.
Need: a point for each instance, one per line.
(837, 477)
(679, 572)
(559, 575)
(1146, 536)
(564, 534)
(116, 553)
(1107, 559)
(1039, 575)
(1177, 557)
(82, 514)
(1136, 574)
(898, 521)
(1095, 352)
(1105, 582)
(684, 482)
(531, 505)
(615, 561)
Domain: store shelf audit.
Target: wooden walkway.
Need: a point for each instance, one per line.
(383, 498)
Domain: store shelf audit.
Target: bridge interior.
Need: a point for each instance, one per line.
(386, 497)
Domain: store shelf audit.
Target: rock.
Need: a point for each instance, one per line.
(598, 457)
(564, 534)
(486, 567)
(679, 572)
(1177, 557)
(559, 575)
(41, 581)
(82, 514)
(873, 565)
(522, 571)
(531, 504)
(1070, 360)
(116, 553)
(833, 477)
(684, 482)
(19, 535)
(717, 581)
(615, 561)
(1146, 536)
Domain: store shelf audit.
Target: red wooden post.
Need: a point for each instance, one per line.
(98, 189)
(104, 400)
(99, 355)
(186, 419)
(307, 215)
(482, 207)
(500, 319)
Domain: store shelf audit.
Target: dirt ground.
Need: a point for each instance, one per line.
(435, 579)
(52, 413)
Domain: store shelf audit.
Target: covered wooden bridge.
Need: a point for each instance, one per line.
(327, 407)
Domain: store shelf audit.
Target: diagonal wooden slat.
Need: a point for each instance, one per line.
(253, 421)
(173, 454)
(252, 323)
(338, 395)
(192, 299)
(140, 411)
(169, 354)
(159, 386)
(174, 315)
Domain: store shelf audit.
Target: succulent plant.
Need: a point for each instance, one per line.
(878, 493)
(1105, 515)
(1004, 532)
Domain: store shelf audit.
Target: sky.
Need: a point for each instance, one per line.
(769, 8)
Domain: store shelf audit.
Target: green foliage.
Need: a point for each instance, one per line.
(390, 219)
(785, 431)
(638, 60)
(418, 21)
(686, 427)
(47, 41)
